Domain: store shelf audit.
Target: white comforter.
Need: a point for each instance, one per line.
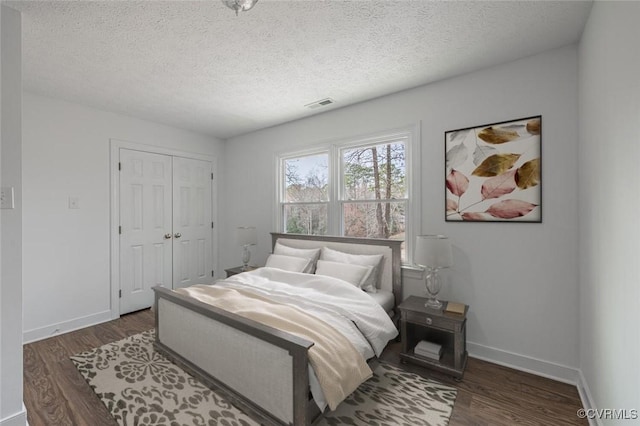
(347, 308)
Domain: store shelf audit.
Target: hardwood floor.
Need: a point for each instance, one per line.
(54, 391)
(489, 394)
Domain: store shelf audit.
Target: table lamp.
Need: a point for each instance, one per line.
(246, 236)
(433, 252)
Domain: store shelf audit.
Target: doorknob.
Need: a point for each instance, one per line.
(177, 235)
(167, 236)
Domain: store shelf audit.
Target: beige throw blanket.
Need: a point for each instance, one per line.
(338, 365)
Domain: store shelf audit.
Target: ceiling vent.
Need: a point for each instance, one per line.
(320, 103)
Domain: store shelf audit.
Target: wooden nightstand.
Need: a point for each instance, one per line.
(238, 269)
(418, 322)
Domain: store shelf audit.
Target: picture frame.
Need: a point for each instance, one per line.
(493, 172)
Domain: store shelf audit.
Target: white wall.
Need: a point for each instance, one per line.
(12, 411)
(66, 252)
(609, 205)
(520, 279)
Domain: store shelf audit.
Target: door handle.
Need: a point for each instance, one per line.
(167, 236)
(177, 235)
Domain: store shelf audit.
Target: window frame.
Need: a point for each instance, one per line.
(280, 225)
(410, 135)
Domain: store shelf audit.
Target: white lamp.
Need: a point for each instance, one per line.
(246, 236)
(433, 252)
(240, 5)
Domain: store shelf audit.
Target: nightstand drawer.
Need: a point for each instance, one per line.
(431, 320)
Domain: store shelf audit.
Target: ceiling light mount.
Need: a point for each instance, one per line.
(240, 5)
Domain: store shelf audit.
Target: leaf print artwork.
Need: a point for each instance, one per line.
(495, 165)
(497, 135)
(459, 136)
(533, 126)
(457, 156)
(493, 172)
(508, 209)
(528, 174)
(482, 152)
(498, 186)
(475, 216)
(457, 183)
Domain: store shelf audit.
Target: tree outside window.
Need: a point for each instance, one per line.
(306, 186)
(374, 193)
(358, 189)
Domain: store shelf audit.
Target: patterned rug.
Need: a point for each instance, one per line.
(139, 386)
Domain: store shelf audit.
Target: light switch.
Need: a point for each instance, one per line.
(6, 198)
(74, 203)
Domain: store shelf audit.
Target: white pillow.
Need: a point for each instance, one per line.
(310, 254)
(353, 274)
(288, 263)
(372, 260)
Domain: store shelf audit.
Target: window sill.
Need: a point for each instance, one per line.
(412, 271)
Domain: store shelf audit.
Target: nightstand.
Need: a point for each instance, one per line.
(418, 322)
(238, 269)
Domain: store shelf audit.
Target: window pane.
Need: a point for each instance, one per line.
(375, 220)
(306, 178)
(374, 172)
(306, 219)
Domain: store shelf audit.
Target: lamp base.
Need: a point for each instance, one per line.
(246, 256)
(433, 283)
(433, 304)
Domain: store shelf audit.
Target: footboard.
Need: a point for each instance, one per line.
(264, 371)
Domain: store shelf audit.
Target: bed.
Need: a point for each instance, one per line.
(264, 371)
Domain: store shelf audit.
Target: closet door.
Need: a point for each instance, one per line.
(192, 226)
(145, 227)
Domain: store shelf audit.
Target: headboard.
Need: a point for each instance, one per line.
(391, 275)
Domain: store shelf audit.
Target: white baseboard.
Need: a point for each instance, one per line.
(17, 419)
(561, 373)
(65, 327)
(587, 398)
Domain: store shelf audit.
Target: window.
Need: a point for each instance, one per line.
(358, 188)
(374, 196)
(306, 197)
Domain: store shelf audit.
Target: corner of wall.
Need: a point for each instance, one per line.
(586, 398)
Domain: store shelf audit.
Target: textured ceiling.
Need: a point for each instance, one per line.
(195, 65)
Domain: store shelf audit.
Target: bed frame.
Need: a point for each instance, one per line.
(261, 370)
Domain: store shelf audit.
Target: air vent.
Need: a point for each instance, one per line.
(320, 103)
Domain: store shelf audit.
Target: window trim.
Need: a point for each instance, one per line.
(410, 134)
(279, 224)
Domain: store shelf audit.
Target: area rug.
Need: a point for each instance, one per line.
(139, 386)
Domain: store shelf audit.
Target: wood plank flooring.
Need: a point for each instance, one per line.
(489, 394)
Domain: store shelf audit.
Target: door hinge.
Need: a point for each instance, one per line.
(211, 175)
(119, 165)
(120, 293)
(119, 229)
(212, 273)
(211, 225)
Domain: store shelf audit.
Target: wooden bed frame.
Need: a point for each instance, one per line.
(261, 370)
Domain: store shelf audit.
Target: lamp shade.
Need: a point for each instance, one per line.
(433, 251)
(246, 236)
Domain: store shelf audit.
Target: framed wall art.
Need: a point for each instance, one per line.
(493, 172)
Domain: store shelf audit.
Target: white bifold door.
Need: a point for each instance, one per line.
(165, 225)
